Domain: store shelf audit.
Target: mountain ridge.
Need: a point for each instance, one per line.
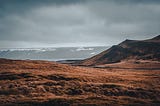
(128, 49)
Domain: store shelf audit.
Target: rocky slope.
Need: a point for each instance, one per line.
(128, 49)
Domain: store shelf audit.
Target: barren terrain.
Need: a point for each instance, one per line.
(127, 50)
(43, 83)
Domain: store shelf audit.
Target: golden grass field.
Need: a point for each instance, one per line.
(44, 83)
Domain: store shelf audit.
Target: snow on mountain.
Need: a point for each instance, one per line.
(61, 53)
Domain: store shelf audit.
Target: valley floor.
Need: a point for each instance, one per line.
(43, 83)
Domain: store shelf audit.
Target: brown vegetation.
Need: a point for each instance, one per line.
(43, 83)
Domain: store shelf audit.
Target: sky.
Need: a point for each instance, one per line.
(62, 23)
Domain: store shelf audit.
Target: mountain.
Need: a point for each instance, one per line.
(52, 54)
(129, 49)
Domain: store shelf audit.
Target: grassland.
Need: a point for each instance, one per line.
(43, 83)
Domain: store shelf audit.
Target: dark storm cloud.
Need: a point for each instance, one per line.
(134, 1)
(33, 23)
(22, 6)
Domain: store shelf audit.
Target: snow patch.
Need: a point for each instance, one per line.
(83, 49)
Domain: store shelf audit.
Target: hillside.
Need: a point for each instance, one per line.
(43, 83)
(128, 49)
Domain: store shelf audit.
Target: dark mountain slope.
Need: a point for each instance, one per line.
(128, 49)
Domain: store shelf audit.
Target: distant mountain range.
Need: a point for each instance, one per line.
(129, 49)
(52, 54)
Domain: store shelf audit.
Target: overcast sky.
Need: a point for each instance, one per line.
(49, 23)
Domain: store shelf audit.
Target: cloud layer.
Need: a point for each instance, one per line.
(39, 23)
